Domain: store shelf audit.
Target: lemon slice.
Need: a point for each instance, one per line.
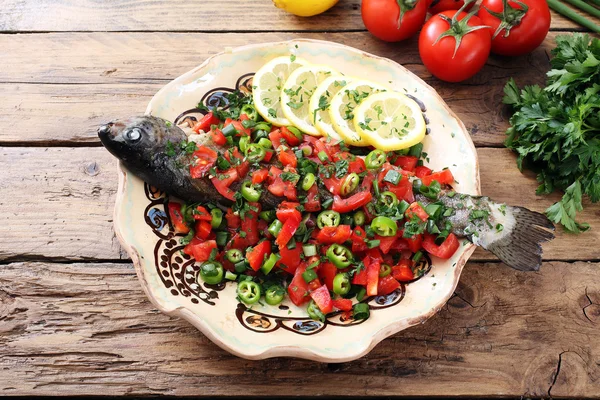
(389, 121)
(342, 108)
(320, 101)
(296, 94)
(267, 84)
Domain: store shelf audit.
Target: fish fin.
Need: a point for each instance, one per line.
(521, 248)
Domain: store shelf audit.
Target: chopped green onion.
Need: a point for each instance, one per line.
(417, 257)
(222, 238)
(229, 130)
(393, 177)
(327, 203)
(267, 215)
(323, 156)
(230, 276)
(222, 163)
(360, 311)
(433, 209)
(270, 263)
(416, 150)
(309, 275)
(309, 250)
(361, 294)
(240, 266)
(275, 227)
(403, 206)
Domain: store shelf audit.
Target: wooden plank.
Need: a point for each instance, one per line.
(185, 15)
(84, 329)
(70, 214)
(104, 76)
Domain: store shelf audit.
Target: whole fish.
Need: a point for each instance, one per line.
(144, 145)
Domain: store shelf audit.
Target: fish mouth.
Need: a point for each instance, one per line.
(105, 133)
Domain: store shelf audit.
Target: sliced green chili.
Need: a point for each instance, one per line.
(339, 255)
(375, 159)
(275, 227)
(384, 226)
(349, 184)
(211, 272)
(341, 284)
(244, 142)
(346, 219)
(250, 111)
(265, 143)
(217, 217)
(230, 276)
(222, 238)
(267, 215)
(234, 255)
(315, 312)
(384, 270)
(360, 311)
(249, 192)
(270, 263)
(328, 218)
(359, 218)
(274, 295)
(308, 181)
(255, 153)
(222, 163)
(262, 126)
(248, 292)
(388, 199)
(296, 132)
(241, 267)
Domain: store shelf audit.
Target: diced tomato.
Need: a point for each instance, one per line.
(250, 227)
(407, 163)
(279, 187)
(443, 177)
(367, 182)
(176, 218)
(342, 304)
(290, 259)
(201, 251)
(242, 169)
(327, 271)
(203, 160)
(375, 255)
(201, 214)
(445, 250)
(268, 155)
(288, 209)
(403, 271)
(334, 234)
(387, 285)
(373, 277)
(298, 288)
(333, 184)
(311, 203)
(322, 299)
(289, 137)
(385, 242)
(360, 278)
(287, 157)
(403, 190)
(415, 243)
(357, 166)
(217, 137)
(416, 209)
(233, 220)
(263, 227)
(351, 203)
(275, 137)
(203, 229)
(256, 256)
(314, 285)
(287, 232)
(222, 185)
(358, 240)
(400, 244)
(259, 176)
(422, 171)
(237, 242)
(205, 123)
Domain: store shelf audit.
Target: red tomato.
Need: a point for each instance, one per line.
(384, 20)
(322, 299)
(203, 229)
(442, 58)
(403, 190)
(205, 123)
(176, 218)
(250, 227)
(312, 203)
(407, 163)
(373, 277)
(201, 251)
(288, 158)
(275, 137)
(422, 171)
(385, 243)
(437, 6)
(343, 304)
(444, 177)
(289, 137)
(237, 242)
(290, 259)
(256, 256)
(222, 185)
(268, 155)
(217, 137)
(279, 187)
(201, 214)
(334, 234)
(298, 288)
(351, 203)
(327, 271)
(287, 232)
(333, 184)
(360, 278)
(259, 176)
(203, 160)
(416, 209)
(288, 209)
(358, 240)
(526, 34)
(357, 166)
(233, 220)
(415, 243)
(403, 271)
(387, 285)
(445, 250)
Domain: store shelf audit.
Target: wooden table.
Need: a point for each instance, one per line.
(73, 318)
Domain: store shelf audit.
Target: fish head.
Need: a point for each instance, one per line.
(136, 140)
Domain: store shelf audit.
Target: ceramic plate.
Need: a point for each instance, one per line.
(168, 276)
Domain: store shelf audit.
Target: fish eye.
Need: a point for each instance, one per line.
(133, 135)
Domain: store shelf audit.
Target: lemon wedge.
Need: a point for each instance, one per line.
(267, 84)
(389, 121)
(343, 104)
(305, 8)
(296, 94)
(320, 101)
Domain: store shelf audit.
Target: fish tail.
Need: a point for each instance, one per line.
(520, 248)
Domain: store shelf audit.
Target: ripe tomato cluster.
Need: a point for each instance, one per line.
(455, 43)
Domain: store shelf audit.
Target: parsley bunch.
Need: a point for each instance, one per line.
(556, 130)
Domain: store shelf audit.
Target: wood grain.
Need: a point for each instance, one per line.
(81, 80)
(184, 15)
(63, 209)
(85, 329)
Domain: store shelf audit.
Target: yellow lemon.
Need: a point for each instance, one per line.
(305, 8)
(319, 104)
